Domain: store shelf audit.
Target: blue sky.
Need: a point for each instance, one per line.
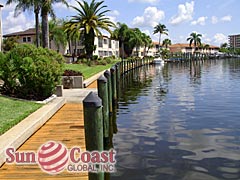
(214, 19)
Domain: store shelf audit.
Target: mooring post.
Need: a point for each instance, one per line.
(107, 74)
(103, 94)
(114, 85)
(93, 124)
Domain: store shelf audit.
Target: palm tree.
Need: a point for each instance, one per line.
(46, 9)
(90, 19)
(57, 34)
(146, 41)
(166, 43)
(195, 39)
(23, 5)
(136, 39)
(73, 35)
(161, 29)
(120, 33)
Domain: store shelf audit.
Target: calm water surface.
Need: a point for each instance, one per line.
(180, 121)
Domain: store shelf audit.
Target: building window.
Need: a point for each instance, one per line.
(100, 53)
(28, 39)
(100, 42)
(24, 39)
(105, 53)
(110, 43)
(105, 41)
(110, 53)
(116, 45)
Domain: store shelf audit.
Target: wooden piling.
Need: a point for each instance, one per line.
(107, 74)
(114, 85)
(93, 124)
(103, 94)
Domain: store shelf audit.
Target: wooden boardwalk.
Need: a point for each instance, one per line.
(66, 126)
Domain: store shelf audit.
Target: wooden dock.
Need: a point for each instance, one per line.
(66, 126)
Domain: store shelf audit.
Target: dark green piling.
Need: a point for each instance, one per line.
(93, 124)
(107, 74)
(103, 94)
(114, 85)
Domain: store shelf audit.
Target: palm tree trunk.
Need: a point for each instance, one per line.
(89, 43)
(36, 11)
(159, 42)
(45, 28)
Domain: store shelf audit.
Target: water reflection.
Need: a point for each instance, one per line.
(180, 121)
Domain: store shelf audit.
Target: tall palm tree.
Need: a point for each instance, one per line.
(166, 43)
(73, 35)
(161, 29)
(146, 42)
(90, 19)
(46, 9)
(136, 39)
(23, 5)
(120, 33)
(195, 39)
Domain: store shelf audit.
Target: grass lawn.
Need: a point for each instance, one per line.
(88, 71)
(13, 111)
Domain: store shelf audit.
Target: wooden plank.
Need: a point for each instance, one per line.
(66, 126)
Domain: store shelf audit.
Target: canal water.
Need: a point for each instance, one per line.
(179, 122)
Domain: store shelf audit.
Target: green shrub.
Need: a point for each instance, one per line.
(108, 60)
(95, 57)
(30, 72)
(102, 62)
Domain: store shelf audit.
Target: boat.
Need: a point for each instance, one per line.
(158, 60)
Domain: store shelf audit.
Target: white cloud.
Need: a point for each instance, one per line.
(200, 21)
(220, 38)
(185, 13)
(214, 20)
(14, 24)
(150, 17)
(226, 18)
(145, 1)
(114, 13)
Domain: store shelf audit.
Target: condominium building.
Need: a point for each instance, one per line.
(234, 41)
(105, 46)
(185, 48)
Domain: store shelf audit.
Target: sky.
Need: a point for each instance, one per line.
(214, 19)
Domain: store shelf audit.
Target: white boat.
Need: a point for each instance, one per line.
(158, 60)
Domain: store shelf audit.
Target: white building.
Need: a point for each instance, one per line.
(105, 47)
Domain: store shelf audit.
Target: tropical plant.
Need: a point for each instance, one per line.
(9, 43)
(166, 43)
(147, 41)
(30, 72)
(73, 35)
(46, 9)
(194, 39)
(120, 33)
(136, 39)
(224, 45)
(23, 5)
(90, 19)
(161, 29)
(57, 34)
